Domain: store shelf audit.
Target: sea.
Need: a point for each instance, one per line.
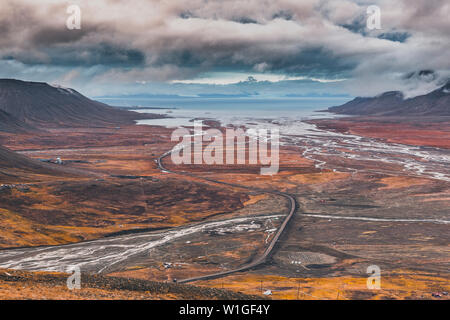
(236, 111)
(288, 115)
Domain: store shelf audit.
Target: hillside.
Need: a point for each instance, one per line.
(435, 103)
(9, 123)
(15, 167)
(39, 103)
(49, 285)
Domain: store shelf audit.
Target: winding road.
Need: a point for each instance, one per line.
(268, 251)
(112, 253)
(109, 254)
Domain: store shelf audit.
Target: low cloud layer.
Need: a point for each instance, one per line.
(122, 43)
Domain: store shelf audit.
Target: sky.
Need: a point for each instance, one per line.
(228, 47)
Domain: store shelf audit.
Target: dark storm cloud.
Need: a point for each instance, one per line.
(395, 36)
(310, 61)
(50, 35)
(358, 25)
(421, 75)
(244, 20)
(124, 42)
(315, 62)
(286, 15)
(101, 54)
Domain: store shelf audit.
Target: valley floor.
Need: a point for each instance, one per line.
(362, 201)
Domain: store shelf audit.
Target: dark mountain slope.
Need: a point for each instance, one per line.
(9, 123)
(38, 103)
(435, 103)
(15, 167)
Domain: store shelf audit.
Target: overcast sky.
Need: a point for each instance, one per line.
(197, 46)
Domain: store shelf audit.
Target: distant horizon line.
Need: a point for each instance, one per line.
(221, 96)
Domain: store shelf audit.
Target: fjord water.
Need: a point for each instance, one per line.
(229, 110)
(286, 114)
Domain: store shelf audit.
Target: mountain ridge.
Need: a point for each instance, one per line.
(41, 104)
(393, 103)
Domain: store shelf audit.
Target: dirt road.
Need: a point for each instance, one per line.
(268, 251)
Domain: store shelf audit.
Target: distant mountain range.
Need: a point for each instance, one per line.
(34, 104)
(392, 103)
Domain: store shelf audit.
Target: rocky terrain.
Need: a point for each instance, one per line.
(18, 285)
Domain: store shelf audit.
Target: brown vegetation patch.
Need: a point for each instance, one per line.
(402, 182)
(75, 210)
(52, 286)
(401, 284)
(317, 178)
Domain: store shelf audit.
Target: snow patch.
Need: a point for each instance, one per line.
(61, 88)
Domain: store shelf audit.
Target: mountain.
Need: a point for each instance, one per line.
(39, 103)
(9, 123)
(435, 103)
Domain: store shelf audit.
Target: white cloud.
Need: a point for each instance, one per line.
(225, 78)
